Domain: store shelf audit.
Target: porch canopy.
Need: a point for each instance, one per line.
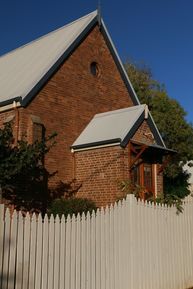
(118, 127)
(145, 158)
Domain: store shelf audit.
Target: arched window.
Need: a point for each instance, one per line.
(94, 69)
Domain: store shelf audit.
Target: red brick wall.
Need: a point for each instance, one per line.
(68, 102)
(99, 171)
(5, 115)
(73, 96)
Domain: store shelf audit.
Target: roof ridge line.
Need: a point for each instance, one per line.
(118, 110)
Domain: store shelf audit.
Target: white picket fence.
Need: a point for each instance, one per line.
(131, 245)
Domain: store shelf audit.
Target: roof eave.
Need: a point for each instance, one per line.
(10, 101)
(95, 144)
(156, 148)
(165, 150)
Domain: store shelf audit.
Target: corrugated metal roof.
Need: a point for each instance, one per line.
(110, 125)
(22, 68)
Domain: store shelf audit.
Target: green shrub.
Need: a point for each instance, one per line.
(177, 185)
(71, 206)
(171, 198)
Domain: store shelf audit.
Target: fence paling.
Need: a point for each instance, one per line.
(45, 246)
(6, 251)
(19, 249)
(62, 242)
(56, 252)
(39, 250)
(78, 255)
(12, 252)
(129, 245)
(1, 242)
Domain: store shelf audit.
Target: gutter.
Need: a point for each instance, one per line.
(10, 104)
(73, 150)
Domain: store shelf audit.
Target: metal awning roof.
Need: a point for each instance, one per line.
(155, 148)
(164, 150)
(110, 127)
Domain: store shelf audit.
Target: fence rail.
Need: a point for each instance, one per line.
(132, 245)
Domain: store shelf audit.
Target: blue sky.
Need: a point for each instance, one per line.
(156, 32)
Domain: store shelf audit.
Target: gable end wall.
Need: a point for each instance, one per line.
(144, 134)
(69, 100)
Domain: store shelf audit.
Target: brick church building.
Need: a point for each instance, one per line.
(71, 81)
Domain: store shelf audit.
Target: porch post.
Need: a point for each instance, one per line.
(155, 179)
(129, 160)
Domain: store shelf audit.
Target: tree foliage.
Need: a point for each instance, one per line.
(170, 119)
(23, 177)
